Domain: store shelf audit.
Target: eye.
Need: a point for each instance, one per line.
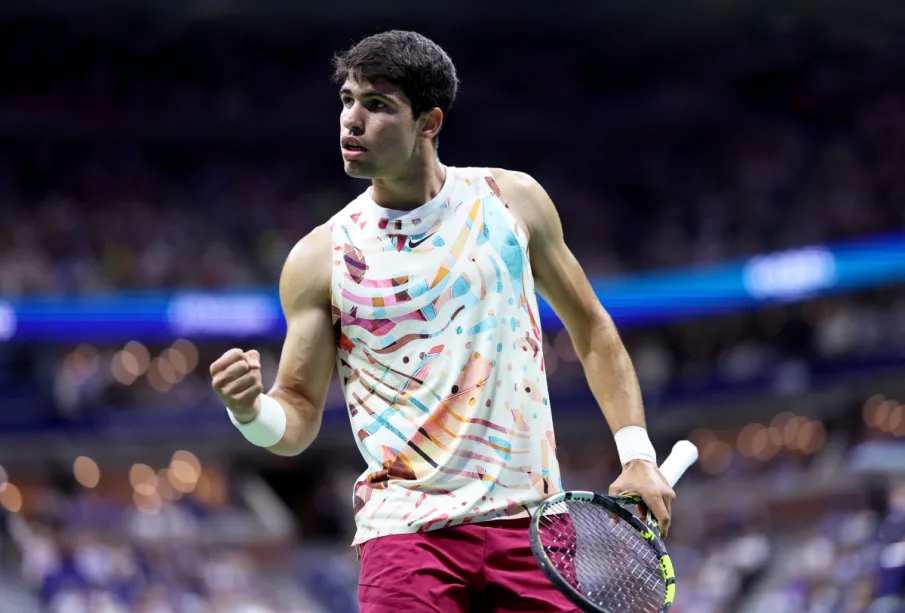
(377, 105)
(347, 101)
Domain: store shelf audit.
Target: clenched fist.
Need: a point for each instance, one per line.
(237, 380)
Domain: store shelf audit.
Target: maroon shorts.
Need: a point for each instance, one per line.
(478, 568)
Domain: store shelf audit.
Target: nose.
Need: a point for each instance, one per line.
(351, 120)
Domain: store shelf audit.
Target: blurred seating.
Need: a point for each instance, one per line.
(685, 169)
(846, 562)
(84, 553)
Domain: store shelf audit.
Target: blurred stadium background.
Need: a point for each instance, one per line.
(732, 177)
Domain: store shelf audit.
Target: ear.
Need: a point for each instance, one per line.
(432, 121)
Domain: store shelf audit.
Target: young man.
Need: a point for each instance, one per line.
(422, 290)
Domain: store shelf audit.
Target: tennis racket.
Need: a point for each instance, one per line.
(603, 557)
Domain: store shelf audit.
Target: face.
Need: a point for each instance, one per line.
(378, 135)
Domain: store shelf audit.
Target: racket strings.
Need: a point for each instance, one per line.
(603, 557)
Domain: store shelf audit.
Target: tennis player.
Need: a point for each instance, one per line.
(422, 292)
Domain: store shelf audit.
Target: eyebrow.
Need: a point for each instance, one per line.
(365, 94)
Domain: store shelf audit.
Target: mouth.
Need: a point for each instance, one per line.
(352, 150)
(352, 154)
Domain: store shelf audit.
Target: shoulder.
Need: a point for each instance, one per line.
(515, 181)
(307, 273)
(526, 198)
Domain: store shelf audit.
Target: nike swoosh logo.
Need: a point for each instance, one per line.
(413, 244)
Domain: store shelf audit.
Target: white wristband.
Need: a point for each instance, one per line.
(267, 429)
(634, 444)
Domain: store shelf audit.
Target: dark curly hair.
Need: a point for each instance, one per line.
(408, 60)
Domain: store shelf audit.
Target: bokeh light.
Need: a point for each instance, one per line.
(763, 446)
(124, 367)
(870, 409)
(141, 354)
(716, 456)
(161, 375)
(899, 430)
(883, 414)
(177, 360)
(896, 417)
(11, 498)
(81, 363)
(185, 471)
(811, 437)
(143, 479)
(165, 489)
(746, 439)
(701, 437)
(790, 431)
(189, 353)
(87, 472)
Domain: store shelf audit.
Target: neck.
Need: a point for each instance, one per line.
(421, 182)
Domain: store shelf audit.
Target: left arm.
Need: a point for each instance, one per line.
(560, 279)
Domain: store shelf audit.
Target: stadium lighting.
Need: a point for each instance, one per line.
(185, 471)
(11, 498)
(165, 487)
(188, 351)
(896, 417)
(746, 438)
(124, 367)
(790, 431)
(86, 472)
(143, 479)
(716, 457)
(870, 409)
(141, 355)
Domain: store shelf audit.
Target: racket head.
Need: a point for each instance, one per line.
(618, 545)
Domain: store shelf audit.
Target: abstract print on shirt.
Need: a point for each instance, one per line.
(441, 361)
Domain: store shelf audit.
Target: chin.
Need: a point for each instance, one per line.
(357, 171)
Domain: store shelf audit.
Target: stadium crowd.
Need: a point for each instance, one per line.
(785, 350)
(847, 561)
(90, 553)
(686, 167)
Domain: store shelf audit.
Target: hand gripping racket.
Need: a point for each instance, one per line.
(599, 554)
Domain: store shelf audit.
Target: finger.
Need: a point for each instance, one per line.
(233, 372)
(248, 397)
(668, 500)
(226, 360)
(241, 385)
(253, 358)
(657, 507)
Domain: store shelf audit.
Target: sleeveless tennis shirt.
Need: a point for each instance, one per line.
(440, 359)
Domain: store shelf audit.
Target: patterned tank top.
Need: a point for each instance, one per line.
(440, 359)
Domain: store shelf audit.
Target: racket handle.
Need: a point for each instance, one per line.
(684, 454)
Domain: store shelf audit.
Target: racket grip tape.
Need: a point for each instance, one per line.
(683, 455)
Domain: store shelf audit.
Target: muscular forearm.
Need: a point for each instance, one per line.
(302, 417)
(303, 422)
(611, 374)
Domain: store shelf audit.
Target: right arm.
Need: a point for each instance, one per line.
(308, 356)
